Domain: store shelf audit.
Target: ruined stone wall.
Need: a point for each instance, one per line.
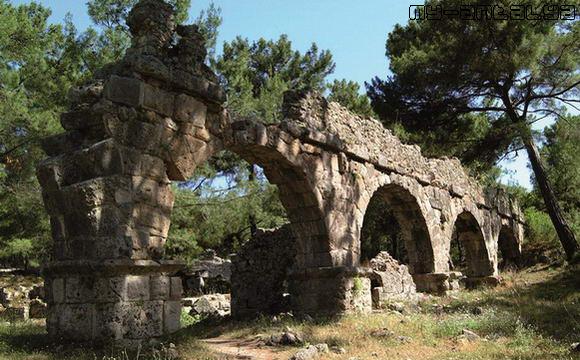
(260, 273)
(390, 280)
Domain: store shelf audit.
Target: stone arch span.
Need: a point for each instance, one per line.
(297, 195)
(156, 115)
(469, 231)
(411, 220)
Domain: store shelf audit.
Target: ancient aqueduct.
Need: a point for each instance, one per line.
(158, 114)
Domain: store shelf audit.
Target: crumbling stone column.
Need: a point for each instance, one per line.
(138, 125)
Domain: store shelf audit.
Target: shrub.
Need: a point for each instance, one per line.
(539, 230)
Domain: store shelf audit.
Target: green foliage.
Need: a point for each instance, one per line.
(347, 94)
(560, 154)
(255, 75)
(471, 88)
(206, 216)
(187, 320)
(539, 230)
(38, 64)
(17, 251)
(357, 286)
(381, 232)
(208, 23)
(113, 13)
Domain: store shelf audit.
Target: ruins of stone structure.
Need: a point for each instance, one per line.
(390, 280)
(208, 274)
(159, 113)
(268, 256)
(21, 298)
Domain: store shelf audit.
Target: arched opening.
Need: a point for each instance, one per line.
(298, 199)
(296, 246)
(381, 232)
(394, 223)
(508, 248)
(468, 252)
(221, 207)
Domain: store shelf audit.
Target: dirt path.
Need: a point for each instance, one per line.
(247, 349)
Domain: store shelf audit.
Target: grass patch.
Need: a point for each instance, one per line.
(534, 316)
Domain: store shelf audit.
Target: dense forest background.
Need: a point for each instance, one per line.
(228, 199)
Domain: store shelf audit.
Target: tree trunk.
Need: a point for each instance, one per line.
(563, 230)
(252, 217)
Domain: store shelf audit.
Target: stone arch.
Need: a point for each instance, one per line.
(298, 198)
(471, 237)
(412, 223)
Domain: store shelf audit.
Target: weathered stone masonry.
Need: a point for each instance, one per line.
(158, 114)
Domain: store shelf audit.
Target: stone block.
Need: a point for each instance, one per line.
(142, 320)
(184, 154)
(57, 228)
(107, 247)
(143, 136)
(75, 321)
(109, 322)
(199, 86)
(188, 109)
(110, 289)
(128, 91)
(176, 288)
(152, 192)
(92, 193)
(137, 287)
(58, 294)
(80, 289)
(85, 94)
(160, 285)
(203, 134)
(81, 119)
(153, 167)
(62, 143)
(153, 217)
(101, 159)
(147, 244)
(171, 316)
(158, 100)
(50, 175)
(37, 309)
(101, 221)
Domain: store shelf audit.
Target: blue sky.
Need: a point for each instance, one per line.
(353, 32)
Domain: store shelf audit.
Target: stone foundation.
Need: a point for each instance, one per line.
(331, 290)
(128, 301)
